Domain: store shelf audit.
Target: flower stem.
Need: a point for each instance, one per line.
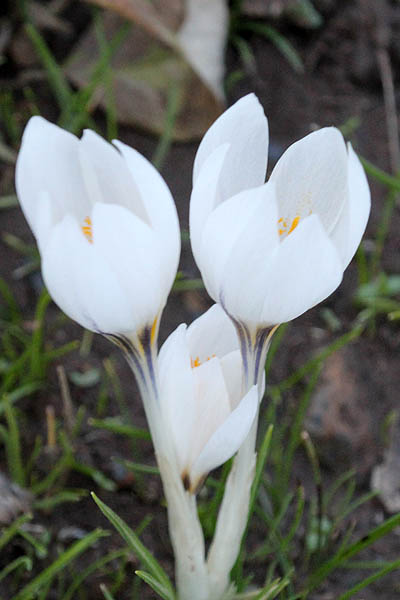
(233, 514)
(184, 526)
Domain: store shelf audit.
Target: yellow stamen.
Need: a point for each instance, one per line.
(283, 229)
(153, 332)
(197, 362)
(87, 229)
(294, 224)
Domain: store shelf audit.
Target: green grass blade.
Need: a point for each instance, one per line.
(55, 473)
(13, 445)
(36, 358)
(6, 293)
(363, 584)
(379, 175)
(310, 365)
(174, 103)
(110, 107)
(115, 425)
(92, 568)
(160, 589)
(136, 545)
(298, 515)
(281, 42)
(57, 81)
(262, 456)
(13, 529)
(28, 592)
(275, 343)
(65, 496)
(345, 554)
(245, 52)
(16, 564)
(383, 230)
(95, 474)
(21, 392)
(187, 285)
(296, 428)
(139, 468)
(75, 116)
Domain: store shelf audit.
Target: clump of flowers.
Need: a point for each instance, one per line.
(108, 235)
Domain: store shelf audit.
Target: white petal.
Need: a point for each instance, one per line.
(212, 334)
(48, 162)
(237, 227)
(350, 228)
(304, 271)
(245, 127)
(111, 181)
(205, 196)
(232, 368)
(159, 206)
(311, 178)
(82, 284)
(228, 437)
(45, 219)
(132, 250)
(177, 392)
(212, 404)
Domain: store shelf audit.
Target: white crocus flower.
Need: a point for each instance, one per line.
(105, 224)
(269, 252)
(201, 395)
(109, 239)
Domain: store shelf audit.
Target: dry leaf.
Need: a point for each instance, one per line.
(158, 18)
(385, 477)
(182, 57)
(202, 38)
(13, 500)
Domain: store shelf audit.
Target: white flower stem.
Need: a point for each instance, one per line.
(233, 513)
(184, 527)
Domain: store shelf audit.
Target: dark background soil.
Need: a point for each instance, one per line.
(342, 81)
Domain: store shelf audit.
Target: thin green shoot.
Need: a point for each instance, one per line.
(48, 574)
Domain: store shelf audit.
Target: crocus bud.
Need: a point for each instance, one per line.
(201, 395)
(105, 224)
(270, 251)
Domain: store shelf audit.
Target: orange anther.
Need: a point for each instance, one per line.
(87, 229)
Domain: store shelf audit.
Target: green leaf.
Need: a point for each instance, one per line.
(13, 444)
(9, 201)
(381, 176)
(282, 43)
(115, 425)
(37, 366)
(95, 474)
(12, 306)
(346, 553)
(381, 573)
(15, 564)
(106, 592)
(13, 529)
(56, 79)
(92, 568)
(269, 592)
(261, 460)
(155, 585)
(27, 593)
(136, 545)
